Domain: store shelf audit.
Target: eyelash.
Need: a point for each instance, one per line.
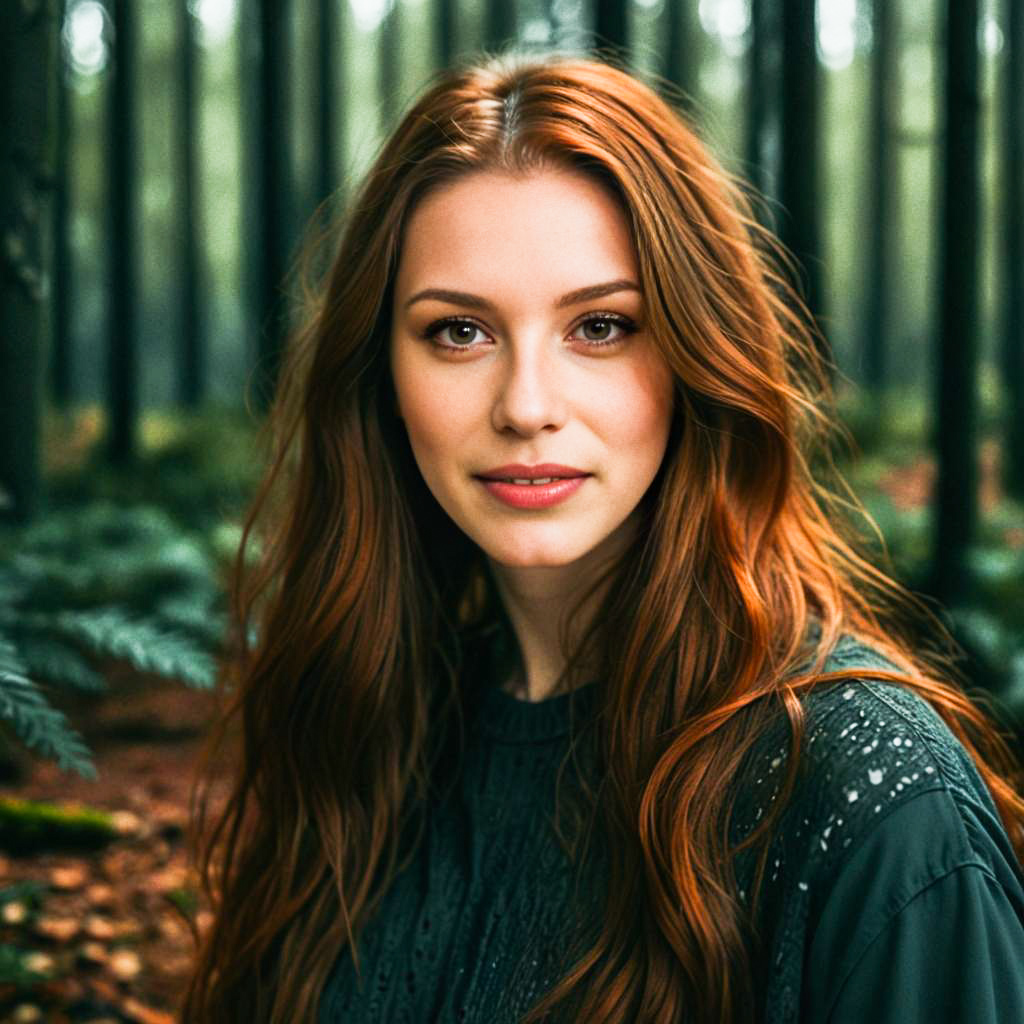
(625, 323)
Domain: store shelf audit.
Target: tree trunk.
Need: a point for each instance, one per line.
(679, 63)
(60, 361)
(799, 185)
(444, 28)
(389, 44)
(330, 44)
(882, 175)
(499, 24)
(1013, 241)
(611, 28)
(956, 405)
(122, 366)
(264, 37)
(192, 381)
(759, 91)
(28, 74)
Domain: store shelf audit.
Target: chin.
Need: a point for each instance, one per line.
(534, 556)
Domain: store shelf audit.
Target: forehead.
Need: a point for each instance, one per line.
(554, 225)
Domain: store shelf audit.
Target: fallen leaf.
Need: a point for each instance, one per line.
(93, 954)
(101, 895)
(125, 964)
(97, 927)
(145, 1014)
(58, 929)
(14, 912)
(69, 877)
(26, 1013)
(38, 963)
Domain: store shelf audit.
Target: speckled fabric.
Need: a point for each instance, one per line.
(889, 853)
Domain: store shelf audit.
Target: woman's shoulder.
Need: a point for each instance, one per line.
(869, 747)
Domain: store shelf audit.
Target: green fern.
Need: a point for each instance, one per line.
(112, 632)
(97, 583)
(40, 726)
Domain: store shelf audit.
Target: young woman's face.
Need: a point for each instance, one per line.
(519, 351)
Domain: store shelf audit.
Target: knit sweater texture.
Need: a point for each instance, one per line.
(892, 891)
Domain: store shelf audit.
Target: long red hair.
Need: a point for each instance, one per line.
(354, 592)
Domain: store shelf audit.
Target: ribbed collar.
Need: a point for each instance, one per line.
(511, 720)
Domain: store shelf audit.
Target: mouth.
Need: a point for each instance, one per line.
(532, 476)
(532, 493)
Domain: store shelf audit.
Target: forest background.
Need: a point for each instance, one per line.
(162, 162)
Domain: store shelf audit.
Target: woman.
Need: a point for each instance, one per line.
(565, 692)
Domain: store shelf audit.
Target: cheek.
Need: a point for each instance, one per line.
(642, 413)
(436, 415)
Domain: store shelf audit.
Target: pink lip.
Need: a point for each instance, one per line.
(517, 469)
(534, 495)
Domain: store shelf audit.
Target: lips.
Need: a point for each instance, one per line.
(544, 473)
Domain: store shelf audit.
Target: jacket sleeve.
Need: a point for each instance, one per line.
(954, 953)
(924, 923)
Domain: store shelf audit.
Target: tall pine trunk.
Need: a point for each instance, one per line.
(329, 46)
(800, 171)
(882, 177)
(28, 75)
(611, 28)
(389, 41)
(266, 159)
(192, 358)
(956, 400)
(61, 355)
(122, 353)
(445, 41)
(1013, 242)
(499, 24)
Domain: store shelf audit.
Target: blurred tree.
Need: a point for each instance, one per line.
(882, 194)
(611, 27)
(330, 43)
(122, 182)
(444, 32)
(389, 51)
(679, 55)
(956, 397)
(28, 62)
(264, 39)
(60, 358)
(800, 174)
(758, 108)
(192, 365)
(1013, 242)
(499, 24)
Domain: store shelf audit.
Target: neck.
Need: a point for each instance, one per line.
(538, 602)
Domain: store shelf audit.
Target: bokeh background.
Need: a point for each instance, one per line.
(162, 163)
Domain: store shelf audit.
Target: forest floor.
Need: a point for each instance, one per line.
(107, 935)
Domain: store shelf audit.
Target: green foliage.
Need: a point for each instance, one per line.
(93, 584)
(38, 724)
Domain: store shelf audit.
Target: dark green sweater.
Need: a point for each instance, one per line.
(892, 892)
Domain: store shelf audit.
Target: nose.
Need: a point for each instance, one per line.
(530, 395)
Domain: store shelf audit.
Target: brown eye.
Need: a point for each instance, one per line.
(462, 334)
(601, 330)
(597, 330)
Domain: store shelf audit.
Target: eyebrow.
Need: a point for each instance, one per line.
(593, 291)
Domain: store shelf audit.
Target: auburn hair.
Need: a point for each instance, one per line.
(354, 593)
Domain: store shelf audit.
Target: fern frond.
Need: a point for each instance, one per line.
(110, 632)
(39, 725)
(57, 662)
